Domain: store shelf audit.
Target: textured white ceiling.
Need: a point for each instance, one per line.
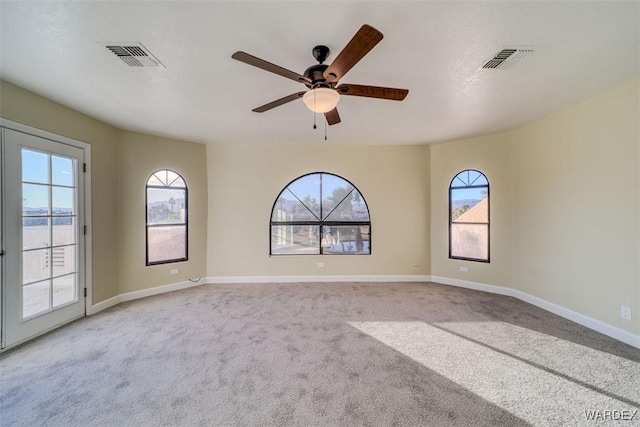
(434, 49)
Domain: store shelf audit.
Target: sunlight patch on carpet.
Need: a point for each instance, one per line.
(504, 376)
(598, 369)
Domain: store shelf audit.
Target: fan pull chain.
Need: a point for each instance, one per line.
(314, 110)
(325, 130)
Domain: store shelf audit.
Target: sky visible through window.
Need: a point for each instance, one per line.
(37, 176)
(310, 186)
(463, 191)
(470, 193)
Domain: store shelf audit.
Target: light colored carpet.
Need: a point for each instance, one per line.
(321, 354)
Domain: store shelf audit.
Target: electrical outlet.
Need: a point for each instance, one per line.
(320, 264)
(174, 271)
(625, 312)
(417, 264)
(464, 269)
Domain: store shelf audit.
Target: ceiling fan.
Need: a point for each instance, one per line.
(322, 79)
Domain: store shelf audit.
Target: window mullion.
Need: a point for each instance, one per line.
(321, 200)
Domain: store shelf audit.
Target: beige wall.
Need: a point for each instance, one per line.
(121, 163)
(25, 107)
(565, 215)
(576, 198)
(244, 181)
(141, 155)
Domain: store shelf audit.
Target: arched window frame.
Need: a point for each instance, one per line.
(460, 182)
(321, 222)
(164, 179)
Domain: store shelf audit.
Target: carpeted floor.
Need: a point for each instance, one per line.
(321, 354)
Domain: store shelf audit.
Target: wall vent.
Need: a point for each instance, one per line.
(133, 54)
(507, 58)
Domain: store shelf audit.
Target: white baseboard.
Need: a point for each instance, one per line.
(493, 289)
(103, 305)
(315, 279)
(589, 322)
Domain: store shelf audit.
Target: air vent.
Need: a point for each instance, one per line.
(133, 54)
(507, 58)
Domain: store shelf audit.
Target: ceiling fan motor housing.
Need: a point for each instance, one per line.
(315, 73)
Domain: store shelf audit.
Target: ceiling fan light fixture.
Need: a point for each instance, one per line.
(321, 99)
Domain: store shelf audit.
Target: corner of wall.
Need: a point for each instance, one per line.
(22, 106)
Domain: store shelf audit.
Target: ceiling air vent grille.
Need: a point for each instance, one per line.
(133, 54)
(507, 58)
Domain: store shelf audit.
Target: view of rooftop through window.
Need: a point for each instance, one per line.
(166, 218)
(469, 216)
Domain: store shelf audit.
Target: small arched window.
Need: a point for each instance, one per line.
(166, 194)
(320, 214)
(469, 216)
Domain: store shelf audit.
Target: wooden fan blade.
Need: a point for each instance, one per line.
(278, 102)
(268, 66)
(333, 118)
(364, 40)
(373, 91)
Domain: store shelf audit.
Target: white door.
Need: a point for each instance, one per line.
(44, 261)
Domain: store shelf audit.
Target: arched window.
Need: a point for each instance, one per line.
(469, 216)
(166, 218)
(322, 214)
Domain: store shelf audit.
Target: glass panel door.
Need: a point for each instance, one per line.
(44, 247)
(49, 241)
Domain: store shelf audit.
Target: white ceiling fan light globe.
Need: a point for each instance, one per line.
(321, 100)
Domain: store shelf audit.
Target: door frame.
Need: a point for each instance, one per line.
(19, 127)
